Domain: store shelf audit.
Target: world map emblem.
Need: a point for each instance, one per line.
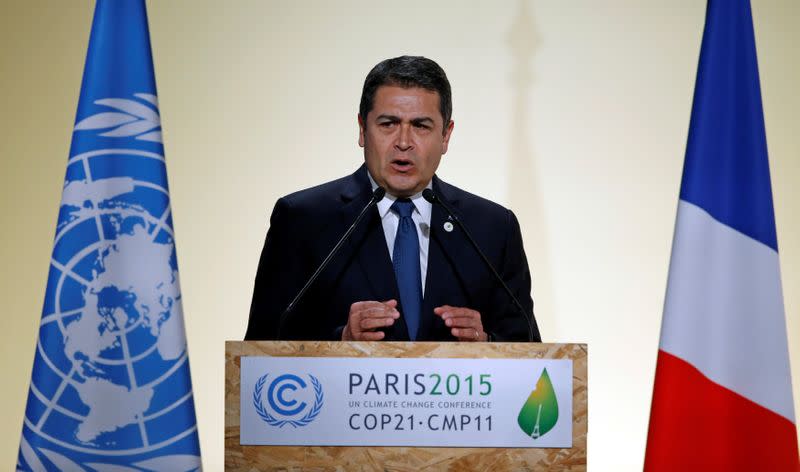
(112, 378)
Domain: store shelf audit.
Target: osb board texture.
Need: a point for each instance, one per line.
(416, 459)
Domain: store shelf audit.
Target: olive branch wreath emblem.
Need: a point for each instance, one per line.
(272, 421)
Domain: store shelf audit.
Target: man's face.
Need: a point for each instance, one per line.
(402, 138)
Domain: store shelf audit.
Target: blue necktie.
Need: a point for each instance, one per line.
(405, 259)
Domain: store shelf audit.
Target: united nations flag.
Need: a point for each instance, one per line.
(110, 388)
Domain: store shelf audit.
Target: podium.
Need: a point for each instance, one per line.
(240, 457)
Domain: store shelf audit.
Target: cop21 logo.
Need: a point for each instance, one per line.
(539, 414)
(286, 397)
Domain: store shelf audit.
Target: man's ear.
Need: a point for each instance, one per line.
(361, 131)
(446, 137)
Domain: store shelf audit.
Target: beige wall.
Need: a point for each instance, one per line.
(574, 114)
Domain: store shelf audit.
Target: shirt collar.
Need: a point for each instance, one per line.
(422, 206)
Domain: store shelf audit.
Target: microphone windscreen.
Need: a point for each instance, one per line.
(378, 194)
(428, 195)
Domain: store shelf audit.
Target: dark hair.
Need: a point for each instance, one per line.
(407, 72)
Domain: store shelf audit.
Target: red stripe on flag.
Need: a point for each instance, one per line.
(696, 424)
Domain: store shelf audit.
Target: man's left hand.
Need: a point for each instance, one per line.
(464, 323)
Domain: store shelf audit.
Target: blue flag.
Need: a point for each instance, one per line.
(110, 388)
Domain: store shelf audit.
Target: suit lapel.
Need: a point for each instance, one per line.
(448, 255)
(437, 277)
(369, 244)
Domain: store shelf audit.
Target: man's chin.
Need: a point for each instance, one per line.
(401, 188)
(402, 191)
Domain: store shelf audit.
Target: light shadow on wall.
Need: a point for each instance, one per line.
(525, 193)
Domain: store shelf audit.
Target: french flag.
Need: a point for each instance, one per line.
(722, 397)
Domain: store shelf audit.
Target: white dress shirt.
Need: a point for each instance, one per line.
(422, 221)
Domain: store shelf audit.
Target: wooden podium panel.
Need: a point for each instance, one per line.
(381, 458)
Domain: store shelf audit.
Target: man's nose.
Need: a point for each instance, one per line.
(404, 141)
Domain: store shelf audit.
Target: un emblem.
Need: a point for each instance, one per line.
(110, 383)
(288, 397)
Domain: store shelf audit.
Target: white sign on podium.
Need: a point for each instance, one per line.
(304, 401)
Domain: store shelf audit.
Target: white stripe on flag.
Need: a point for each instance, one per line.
(724, 310)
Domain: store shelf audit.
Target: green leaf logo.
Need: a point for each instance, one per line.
(540, 412)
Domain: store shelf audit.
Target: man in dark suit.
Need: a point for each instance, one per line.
(407, 272)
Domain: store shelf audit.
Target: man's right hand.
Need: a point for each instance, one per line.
(366, 317)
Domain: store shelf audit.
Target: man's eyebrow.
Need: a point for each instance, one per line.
(420, 120)
(423, 120)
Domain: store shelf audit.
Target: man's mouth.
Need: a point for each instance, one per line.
(402, 165)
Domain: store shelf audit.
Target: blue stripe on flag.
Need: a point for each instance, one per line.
(726, 171)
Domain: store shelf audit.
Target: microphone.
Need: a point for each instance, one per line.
(377, 196)
(434, 199)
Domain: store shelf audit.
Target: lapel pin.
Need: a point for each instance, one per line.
(448, 226)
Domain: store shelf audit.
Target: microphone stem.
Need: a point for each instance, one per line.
(497, 276)
(487, 263)
(376, 197)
